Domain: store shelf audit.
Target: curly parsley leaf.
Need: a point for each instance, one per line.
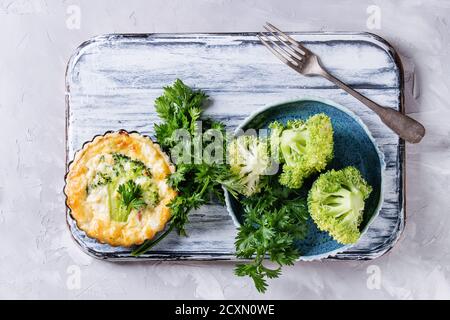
(272, 225)
(130, 197)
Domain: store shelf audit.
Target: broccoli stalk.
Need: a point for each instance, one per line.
(305, 147)
(336, 203)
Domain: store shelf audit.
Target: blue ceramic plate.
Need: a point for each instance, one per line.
(353, 145)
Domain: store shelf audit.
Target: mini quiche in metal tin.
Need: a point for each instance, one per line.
(116, 188)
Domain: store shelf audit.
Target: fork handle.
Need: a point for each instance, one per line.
(406, 127)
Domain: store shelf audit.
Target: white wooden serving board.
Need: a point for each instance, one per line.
(113, 80)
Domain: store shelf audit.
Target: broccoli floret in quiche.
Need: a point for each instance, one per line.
(128, 183)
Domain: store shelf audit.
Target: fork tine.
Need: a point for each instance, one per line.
(282, 54)
(299, 54)
(279, 56)
(288, 38)
(281, 49)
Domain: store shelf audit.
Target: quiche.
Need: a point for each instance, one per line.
(117, 189)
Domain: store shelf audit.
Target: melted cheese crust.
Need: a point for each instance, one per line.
(91, 210)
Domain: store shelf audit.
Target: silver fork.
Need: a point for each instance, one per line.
(302, 60)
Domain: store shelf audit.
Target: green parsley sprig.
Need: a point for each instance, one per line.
(272, 224)
(130, 197)
(196, 180)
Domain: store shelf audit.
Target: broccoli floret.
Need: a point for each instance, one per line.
(139, 190)
(336, 203)
(276, 129)
(150, 193)
(305, 147)
(249, 161)
(100, 179)
(132, 167)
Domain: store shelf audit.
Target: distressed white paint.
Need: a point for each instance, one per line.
(113, 80)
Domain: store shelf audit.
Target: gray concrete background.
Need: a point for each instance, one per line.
(37, 256)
